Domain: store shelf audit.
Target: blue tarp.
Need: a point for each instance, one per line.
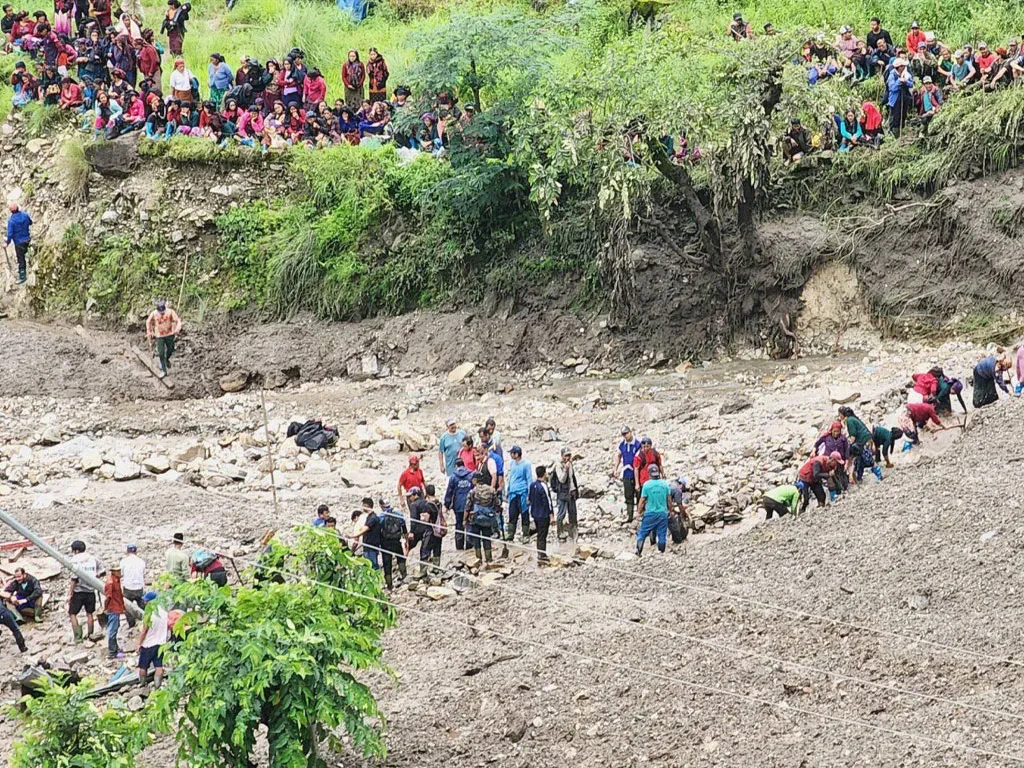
(354, 8)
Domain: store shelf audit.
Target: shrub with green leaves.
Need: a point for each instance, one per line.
(64, 729)
(283, 654)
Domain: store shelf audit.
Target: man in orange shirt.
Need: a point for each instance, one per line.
(164, 325)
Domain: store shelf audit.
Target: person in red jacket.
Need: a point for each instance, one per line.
(644, 459)
(149, 58)
(353, 75)
(913, 417)
(314, 90)
(411, 478)
(914, 37)
(926, 386)
(814, 475)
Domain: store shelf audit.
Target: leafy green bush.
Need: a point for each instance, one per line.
(64, 728)
(41, 120)
(284, 655)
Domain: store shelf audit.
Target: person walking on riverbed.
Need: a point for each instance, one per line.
(164, 325)
(18, 232)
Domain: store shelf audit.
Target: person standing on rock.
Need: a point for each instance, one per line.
(113, 605)
(456, 496)
(177, 558)
(628, 449)
(567, 491)
(655, 502)
(520, 477)
(164, 325)
(987, 374)
(448, 447)
(432, 519)
(80, 595)
(133, 578)
(467, 452)
(542, 512)
(19, 233)
(411, 477)
(368, 534)
(646, 458)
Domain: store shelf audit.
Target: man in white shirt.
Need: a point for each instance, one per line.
(151, 640)
(133, 578)
(81, 595)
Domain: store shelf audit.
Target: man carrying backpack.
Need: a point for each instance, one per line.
(434, 529)
(456, 496)
(394, 543)
(483, 505)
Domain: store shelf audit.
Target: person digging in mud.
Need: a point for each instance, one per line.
(885, 442)
(781, 501)
(22, 595)
(164, 325)
(625, 455)
(81, 596)
(18, 232)
(835, 442)
(655, 503)
(815, 474)
(483, 516)
(987, 374)
(943, 400)
(912, 418)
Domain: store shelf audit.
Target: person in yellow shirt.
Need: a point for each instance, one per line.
(164, 325)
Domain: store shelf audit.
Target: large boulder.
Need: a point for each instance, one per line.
(461, 372)
(235, 381)
(117, 158)
(126, 469)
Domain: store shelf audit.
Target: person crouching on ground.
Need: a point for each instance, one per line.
(834, 441)
(814, 475)
(912, 418)
(781, 501)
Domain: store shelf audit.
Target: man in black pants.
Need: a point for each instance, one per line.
(542, 511)
(394, 543)
(8, 620)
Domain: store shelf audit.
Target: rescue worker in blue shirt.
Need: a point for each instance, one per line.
(628, 449)
(518, 478)
(455, 497)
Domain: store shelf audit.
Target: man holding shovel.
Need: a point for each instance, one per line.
(18, 233)
(163, 325)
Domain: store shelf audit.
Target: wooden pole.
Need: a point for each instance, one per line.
(270, 451)
(181, 290)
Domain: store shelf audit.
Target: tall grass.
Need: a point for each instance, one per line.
(75, 168)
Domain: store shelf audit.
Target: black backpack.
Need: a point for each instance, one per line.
(392, 525)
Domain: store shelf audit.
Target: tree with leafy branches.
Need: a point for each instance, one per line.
(284, 655)
(63, 728)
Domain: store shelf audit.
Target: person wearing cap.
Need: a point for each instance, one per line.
(962, 71)
(738, 29)
(923, 62)
(899, 85)
(133, 578)
(164, 325)
(931, 100)
(567, 490)
(155, 633)
(81, 595)
(625, 455)
(448, 446)
(796, 142)
(411, 478)
(519, 477)
(322, 513)
(113, 606)
(177, 559)
(814, 474)
(985, 62)
(987, 374)
(19, 233)
(456, 496)
(846, 43)
(655, 502)
(914, 36)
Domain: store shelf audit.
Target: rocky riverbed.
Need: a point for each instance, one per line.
(138, 470)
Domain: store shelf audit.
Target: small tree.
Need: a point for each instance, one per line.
(63, 729)
(283, 655)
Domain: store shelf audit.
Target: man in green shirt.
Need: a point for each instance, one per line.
(448, 447)
(655, 502)
(781, 500)
(177, 558)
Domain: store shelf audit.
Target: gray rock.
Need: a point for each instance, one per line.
(735, 406)
(118, 158)
(235, 381)
(461, 372)
(125, 469)
(157, 464)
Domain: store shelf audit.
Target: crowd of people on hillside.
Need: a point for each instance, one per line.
(113, 75)
(918, 73)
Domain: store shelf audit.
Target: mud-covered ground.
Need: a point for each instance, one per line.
(614, 662)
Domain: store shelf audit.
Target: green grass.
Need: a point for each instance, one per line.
(74, 168)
